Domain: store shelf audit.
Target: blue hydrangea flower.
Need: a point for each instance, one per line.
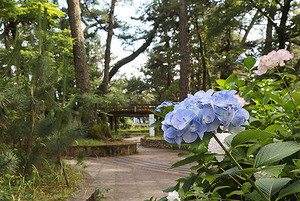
(202, 113)
(163, 105)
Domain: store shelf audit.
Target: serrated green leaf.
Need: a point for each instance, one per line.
(275, 170)
(270, 186)
(293, 188)
(275, 152)
(248, 135)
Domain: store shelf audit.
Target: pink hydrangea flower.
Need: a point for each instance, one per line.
(272, 60)
(241, 101)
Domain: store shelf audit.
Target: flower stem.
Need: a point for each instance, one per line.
(240, 168)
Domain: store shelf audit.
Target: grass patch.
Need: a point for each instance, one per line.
(155, 137)
(140, 130)
(93, 142)
(46, 185)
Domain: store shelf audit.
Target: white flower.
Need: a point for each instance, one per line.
(173, 196)
(214, 147)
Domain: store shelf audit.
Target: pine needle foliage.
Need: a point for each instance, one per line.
(37, 118)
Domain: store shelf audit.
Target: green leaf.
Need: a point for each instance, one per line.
(296, 162)
(274, 170)
(231, 79)
(235, 193)
(276, 127)
(250, 88)
(211, 178)
(220, 188)
(275, 152)
(232, 171)
(270, 186)
(275, 97)
(296, 171)
(296, 97)
(240, 83)
(278, 116)
(187, 185)
(248, 135)
(293, 188)
(250, 171)
(191, 159)
(249, 62)
(221, 82)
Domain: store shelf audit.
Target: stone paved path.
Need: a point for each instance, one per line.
(132, 178)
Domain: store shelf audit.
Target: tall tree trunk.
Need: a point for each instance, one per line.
(79, 52)
(80, 60)
(203, 60)
(185, 65)
(110, 33)
(281, 30)
(269, 31)
(104, 87)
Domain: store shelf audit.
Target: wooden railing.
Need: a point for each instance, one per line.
(134, 108)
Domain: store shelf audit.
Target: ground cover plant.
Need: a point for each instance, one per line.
(243, 138)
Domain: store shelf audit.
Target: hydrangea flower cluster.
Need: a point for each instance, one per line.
(214, 147)
(272, 60)
(164, 104)
(173, 196)
(204, 112)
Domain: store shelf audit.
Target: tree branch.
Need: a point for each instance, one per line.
(250, 26)
(136, 53)
(264, 14)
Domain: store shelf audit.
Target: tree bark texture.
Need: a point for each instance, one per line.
(79, 52)
(269, 31)
(281, 30)
(80, 60)
(104, 87)
(185, 64)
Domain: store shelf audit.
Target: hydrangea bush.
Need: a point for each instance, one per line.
(244, 138)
